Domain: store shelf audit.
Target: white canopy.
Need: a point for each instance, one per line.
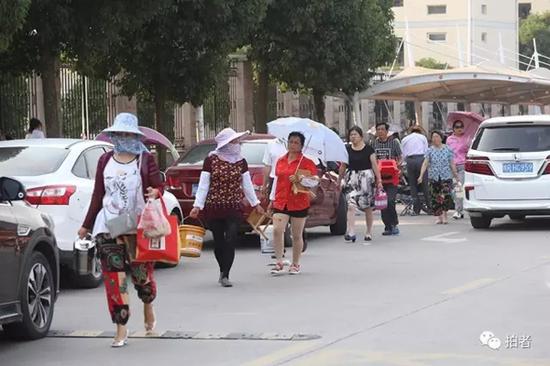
(483, 83)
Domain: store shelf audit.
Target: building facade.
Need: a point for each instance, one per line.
(457, 32)
(527, 7)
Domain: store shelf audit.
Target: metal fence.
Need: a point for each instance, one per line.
(90, 105)
(84, 104)
(17, 104)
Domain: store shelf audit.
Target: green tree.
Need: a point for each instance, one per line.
(431, 63)
(12, 15)
(325, 46)
(75, 29)
(177, 54)
(535, 26)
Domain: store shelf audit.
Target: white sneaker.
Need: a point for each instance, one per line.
(458, 215)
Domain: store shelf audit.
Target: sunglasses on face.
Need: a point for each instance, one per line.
(459, 126)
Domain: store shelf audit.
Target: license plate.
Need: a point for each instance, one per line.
(194, 189)
(517, 168)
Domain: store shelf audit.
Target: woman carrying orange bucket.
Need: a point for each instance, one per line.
(223, 183)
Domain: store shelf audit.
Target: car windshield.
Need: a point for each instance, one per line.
(530, 138)
(253, 152)
(27, 161)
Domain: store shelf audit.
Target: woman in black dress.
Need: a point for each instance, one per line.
(360, 176)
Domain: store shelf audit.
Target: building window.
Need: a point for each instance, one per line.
(484, 9)
(437, 9)
(397, 3)
(437, 37)
(484, 37)
(524, 9)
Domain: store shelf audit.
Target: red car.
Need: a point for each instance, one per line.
(327, 209)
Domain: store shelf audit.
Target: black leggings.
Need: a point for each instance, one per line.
(225, 233)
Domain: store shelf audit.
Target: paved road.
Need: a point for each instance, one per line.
(422, 298)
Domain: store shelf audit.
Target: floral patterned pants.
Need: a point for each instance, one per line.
(441, 194)
(115, 262)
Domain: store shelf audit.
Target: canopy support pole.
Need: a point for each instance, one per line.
(418, 114)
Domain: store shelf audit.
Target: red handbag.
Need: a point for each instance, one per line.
(164, 249)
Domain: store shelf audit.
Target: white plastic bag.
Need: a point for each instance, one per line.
(153, 220)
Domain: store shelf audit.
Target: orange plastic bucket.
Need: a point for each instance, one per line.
(191, 239)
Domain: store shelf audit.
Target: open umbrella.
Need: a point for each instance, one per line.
(151, 137)
(321, 141)
(471, 121)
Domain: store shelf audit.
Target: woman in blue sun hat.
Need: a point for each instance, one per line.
(126, 177)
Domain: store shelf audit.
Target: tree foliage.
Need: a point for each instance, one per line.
(77, 30)
(535, 26)
(180, 51)
(12, 15)
(324, 45)
(431, 63)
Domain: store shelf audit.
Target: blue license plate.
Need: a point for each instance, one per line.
(517, 168)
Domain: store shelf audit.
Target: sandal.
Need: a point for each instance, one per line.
(278, 269)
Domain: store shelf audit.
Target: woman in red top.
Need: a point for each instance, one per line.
(290, 204)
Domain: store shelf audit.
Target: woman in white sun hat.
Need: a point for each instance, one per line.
(125, 178)
(224, 182)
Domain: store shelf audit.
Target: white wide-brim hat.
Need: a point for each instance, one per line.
(227, 135)
(125, 122)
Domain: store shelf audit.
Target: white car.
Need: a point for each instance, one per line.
(58, 175)
(508, 169)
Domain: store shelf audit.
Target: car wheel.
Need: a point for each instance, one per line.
(339, 227)
(517, 217)
(92, 279)
(37, 294)
(482, 222)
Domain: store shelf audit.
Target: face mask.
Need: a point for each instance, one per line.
(233, 149)
(230, 153)
(127, 144)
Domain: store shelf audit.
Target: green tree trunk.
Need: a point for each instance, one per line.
(51, 89)
(319, 102)
(261, 116)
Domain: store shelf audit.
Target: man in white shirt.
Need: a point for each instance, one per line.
(273, 151)
(414, 147)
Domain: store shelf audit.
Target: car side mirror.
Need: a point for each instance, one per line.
(11, 190)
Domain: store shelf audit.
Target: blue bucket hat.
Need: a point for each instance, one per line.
(125, 122)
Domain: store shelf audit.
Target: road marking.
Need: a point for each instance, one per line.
(169, 334)
(443, 238)
(470, 286)
(280, 356)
